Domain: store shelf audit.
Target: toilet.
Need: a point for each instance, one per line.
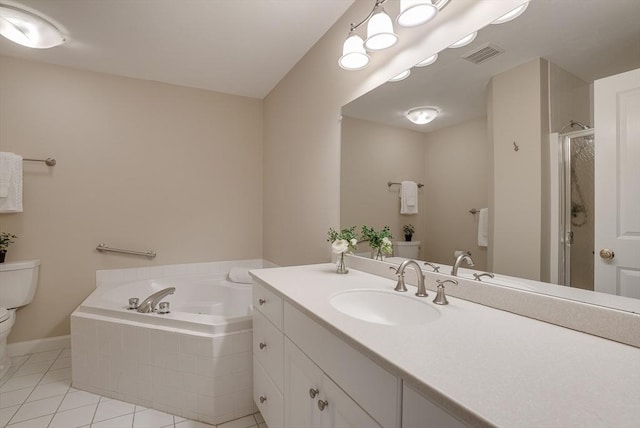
(18, 283)
(406, 249)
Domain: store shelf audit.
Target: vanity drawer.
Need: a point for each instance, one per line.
(376, 390)
(268, 347)
(267, 302)
(267, 396)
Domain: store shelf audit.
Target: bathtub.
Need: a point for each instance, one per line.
(195, 361)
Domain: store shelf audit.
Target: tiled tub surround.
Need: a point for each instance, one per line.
(198, 366)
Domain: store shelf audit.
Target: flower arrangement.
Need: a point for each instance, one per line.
(380, 241)
(343, 241)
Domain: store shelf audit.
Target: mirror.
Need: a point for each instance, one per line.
(519, 81)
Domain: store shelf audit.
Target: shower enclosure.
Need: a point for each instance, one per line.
(576, 209)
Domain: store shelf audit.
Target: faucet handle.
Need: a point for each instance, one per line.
(395, 269)
(441, 298)
(432, 266)
(478, 277)
(400, 286)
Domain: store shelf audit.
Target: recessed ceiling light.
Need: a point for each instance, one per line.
(510, 16)
(400, 76)
(27, 29)
(422, 115)
(428, 61)
(465, 40)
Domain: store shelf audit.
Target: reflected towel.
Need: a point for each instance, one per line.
(10, 183)
(483, 227)
(408, 197)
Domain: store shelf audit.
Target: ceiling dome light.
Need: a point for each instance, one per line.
(416, 12)
(510, 16)
(428, 61)
(354, 57)
(380, 33)
(422, 115)
(465, 40)
(28, 29)
(400, 76)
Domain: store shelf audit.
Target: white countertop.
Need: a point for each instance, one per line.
(489, 366)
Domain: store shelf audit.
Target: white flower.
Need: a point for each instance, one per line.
(386, 246)
(339, 246)
(386, 241)
(354, 242)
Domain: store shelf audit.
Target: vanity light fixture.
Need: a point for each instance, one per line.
(401, 76)
(428, 61)
(28, 29)
(422, 115)
(380, 33)
(513, 14)
(465, 40)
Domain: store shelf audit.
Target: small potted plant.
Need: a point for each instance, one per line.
(408, 230)
(380, 242)
(6, 239)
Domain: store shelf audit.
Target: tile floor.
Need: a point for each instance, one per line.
(36, 392)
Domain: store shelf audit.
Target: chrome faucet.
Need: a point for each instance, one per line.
(464, 256)
(422, 291)
(478, 277)
(149, 304)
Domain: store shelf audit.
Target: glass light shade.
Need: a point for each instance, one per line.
(416, 12)
(27, 29)
(422, 115)
(354, 57)
(465, 40)
(510, 16)
(400, 76)
(428, 61)
(380, 33)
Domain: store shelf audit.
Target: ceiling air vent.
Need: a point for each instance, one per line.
(483, 53)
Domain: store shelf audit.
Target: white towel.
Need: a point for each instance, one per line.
(240, 275)
(483, 227)
(10, 183)
(408, 197)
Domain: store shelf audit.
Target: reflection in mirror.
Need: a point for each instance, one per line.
(501, 99)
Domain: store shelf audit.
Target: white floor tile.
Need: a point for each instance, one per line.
(7, 413)
(263, 425)
(41, 422)
(78, 399)
(78, 417)
(19, 360)
(246, 422)
(65, 353)
(19, 396)
(21, 382)
(49, 390)
(125, 421)
(61, 363)
(151, 419)
(35, 409)
(193, 424)
(109, 409)
(259, 417)
(44, 356)
(56, 375)
(31, 368)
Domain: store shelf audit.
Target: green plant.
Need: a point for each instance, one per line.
(381, 239)
(342, 241)
(6, 239)
(408, 229)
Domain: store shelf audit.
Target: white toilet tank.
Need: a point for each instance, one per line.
(18, 283)
(406, 249)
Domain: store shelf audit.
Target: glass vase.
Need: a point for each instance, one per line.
(342, 265)
(378, 254)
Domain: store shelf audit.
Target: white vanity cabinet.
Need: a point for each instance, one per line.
(419, 412)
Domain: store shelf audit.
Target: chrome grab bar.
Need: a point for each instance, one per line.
(104, 247)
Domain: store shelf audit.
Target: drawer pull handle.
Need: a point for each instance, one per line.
(261, 302)
(322, 404)
(263, 399)
(313, 392)
(263, 345)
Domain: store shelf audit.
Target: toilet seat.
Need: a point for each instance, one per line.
(4, 314)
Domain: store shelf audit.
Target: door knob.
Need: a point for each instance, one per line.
(607, 254)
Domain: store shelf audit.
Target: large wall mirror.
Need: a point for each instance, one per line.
(511, 105)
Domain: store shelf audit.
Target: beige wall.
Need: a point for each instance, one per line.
(372, 155)
(302, 127)
(141, 165)
(456, 179)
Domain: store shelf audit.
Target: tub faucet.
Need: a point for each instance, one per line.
(422, 292)
(149, 304)
(464, 256)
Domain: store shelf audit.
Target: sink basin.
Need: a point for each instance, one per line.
(384, 307)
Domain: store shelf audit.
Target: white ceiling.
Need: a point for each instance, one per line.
(589, 38)
(241, 47)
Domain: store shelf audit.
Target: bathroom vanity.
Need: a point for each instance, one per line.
(328, 353)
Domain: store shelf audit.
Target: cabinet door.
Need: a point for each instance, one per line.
(339, 410)
(420, 412)
(302, 378)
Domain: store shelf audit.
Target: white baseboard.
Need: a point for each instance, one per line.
(38, 345)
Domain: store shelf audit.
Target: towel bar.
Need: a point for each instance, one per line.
(104, 247)
(389, 184)
(48, 161)
(474, 211)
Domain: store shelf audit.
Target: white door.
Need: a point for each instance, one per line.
(617, 184)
